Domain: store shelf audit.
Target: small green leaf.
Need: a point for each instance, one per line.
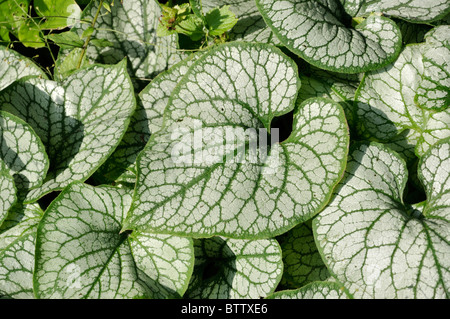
(13, 15)
(220, 20)
(101, 43)
(29, 33)
(106, 6)
(87, 33)
(191, 26)
(315, 290)
(4, 35)
(66, 40)
(235, 269)
(196, 6)
(372, 242)
(67, 64)
(57, 13)
(80, 252)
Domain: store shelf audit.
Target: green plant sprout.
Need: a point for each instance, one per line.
(189, 19)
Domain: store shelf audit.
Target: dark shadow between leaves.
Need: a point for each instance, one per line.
(15, 165)
(132, 143)
(132, 50)
(215, 266)
(153, 289)
(247, 26)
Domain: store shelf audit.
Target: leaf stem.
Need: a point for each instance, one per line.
(86, 42)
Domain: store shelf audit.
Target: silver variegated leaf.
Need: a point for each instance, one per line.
(17, 245)
(376, 245)
(80, 121)
(403, 99)
(321, 33)
(81, 253)
(14, 66)
(204, 174)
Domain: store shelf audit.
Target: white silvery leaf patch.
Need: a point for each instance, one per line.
(250, 26)
(8, 190)
(17, 254)
(13, 66)
(80, 252)
(131, 29)
(434, 89)
(22, 152)
(321, 33)
(376, 245)
(336, 86)
(235, 268)
(80, 121)
(388, 99)
(411, 10)
(147, 119)
(212, 171)
(314, 290)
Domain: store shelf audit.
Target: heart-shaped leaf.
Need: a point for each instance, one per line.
(236, 269)
(80, 252)
(13, 67)
(372, 242)
(387, 98)
(22, 152)
(301, 259)
(17, 254)
(320, 32)
(204, 174)
(80, 121)
(315, 290)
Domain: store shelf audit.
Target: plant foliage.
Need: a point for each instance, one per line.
(290, 149)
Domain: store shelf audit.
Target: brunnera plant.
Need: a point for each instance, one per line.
(224, 149)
